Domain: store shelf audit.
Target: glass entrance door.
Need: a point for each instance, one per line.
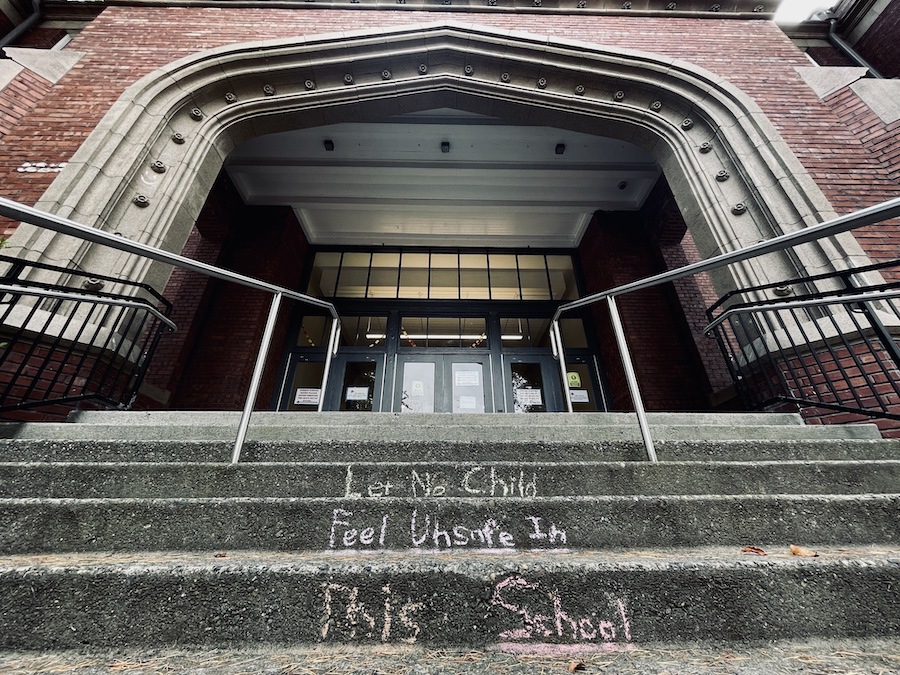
(531, 383)
(441, 382)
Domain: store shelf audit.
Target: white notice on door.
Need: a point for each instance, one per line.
(357, 393)
(307, 397)
(579, 395)
(468, 403)
(529, 397)
(467, 378)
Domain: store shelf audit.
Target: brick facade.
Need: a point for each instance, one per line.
(847, 150)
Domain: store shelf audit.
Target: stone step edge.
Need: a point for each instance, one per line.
(448, 433)
(507, 463)
(271, 418)
(777, 554)
(9, 502)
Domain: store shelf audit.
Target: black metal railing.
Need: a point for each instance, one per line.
(61, 343)
(835, 349)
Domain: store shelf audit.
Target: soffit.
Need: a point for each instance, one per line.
(390, 182)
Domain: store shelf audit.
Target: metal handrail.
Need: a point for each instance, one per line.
(845, 223)
(81, 297)
(798, 304)
(50, 221)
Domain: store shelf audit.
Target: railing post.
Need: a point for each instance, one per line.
(556, 339)
(332, 349)
(631, 378)
(258, 369)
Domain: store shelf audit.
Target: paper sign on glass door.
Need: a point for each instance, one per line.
(307, 397)
(467, 378)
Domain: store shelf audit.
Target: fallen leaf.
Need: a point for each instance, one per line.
(805, 552)
(221, 554)
(576, 666)
(753, 549)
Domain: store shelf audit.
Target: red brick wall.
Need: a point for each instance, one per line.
(125, 43)
(18, 99)
(267, 243)
(189, 292)
(694, 293)
(867, 378)
(616, 249)
(880, 46)
(880, 139)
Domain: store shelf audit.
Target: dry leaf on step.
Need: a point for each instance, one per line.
(805, 552)
(576, 666)
(753, 549)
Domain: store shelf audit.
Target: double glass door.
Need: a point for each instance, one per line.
(406, 363)
(443, 382)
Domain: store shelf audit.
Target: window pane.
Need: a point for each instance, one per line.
(414, 275)
(473, 276)
(562, 277)
(504, 277)
(359, 386)
(520, 332)
(533, 277)
(384, 275)
(324, 275)
(444, 276)
(306, 386)
(466, 332)
(354, 275)
(573, 335)
(363, 331)
(314, 332)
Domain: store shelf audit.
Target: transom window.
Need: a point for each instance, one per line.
(442, 275)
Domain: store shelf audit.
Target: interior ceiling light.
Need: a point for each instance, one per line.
(329, 145)
(445, 146)
(560, 148)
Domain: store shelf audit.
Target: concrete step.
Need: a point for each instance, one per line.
(447, 480)
(432, 428)
(36, 525)
(610, 600)
(205, 418)
(63, 449)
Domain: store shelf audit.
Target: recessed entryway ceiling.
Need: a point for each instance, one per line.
(443, 178)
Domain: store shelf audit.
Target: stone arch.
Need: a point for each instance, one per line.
(187, 117)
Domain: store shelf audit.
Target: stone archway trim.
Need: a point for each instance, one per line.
(190, 114)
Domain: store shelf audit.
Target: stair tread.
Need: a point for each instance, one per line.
(471, 561)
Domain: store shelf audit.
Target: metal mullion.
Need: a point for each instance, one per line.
(369, 276)
(549, 282)
(519, 277)
(337, 278)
